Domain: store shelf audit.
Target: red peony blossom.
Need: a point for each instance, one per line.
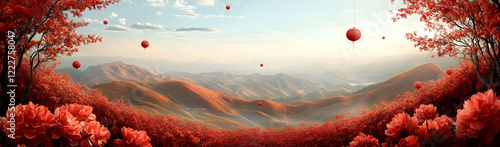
(480, 116)
(31, 122)
(439, 127)
(82, 113)
(98, 134)
(425, 112)
(401, 123)
(133, 138)
(410, 141)
(365, 141)
(67, 127)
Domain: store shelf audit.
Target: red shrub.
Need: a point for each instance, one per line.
(364, 141)
(402, 123)
(67, 127)
(480, 116)
(132, 138)
(31, 122)
(410, 141)
(446, 94)
(98, 134)
(425, 112)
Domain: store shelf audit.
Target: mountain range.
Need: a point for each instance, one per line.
(191, 96)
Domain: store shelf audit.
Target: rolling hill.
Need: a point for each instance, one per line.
(251, 87)
(219, 110)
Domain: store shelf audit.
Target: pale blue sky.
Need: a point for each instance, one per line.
(190, 30)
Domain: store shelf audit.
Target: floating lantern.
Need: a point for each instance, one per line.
(144, 44)
(418, 85)
(77, 64)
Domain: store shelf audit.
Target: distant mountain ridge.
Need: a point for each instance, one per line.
(251, 87)
(192, 102)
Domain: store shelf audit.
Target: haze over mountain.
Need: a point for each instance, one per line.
(277, 87)
(366, 71)
(166, 94)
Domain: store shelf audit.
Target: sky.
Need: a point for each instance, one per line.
(193, 30)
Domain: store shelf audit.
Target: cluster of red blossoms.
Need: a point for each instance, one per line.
(480, 118)
(72, 124)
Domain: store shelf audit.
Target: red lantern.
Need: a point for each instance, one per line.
(261, 65)
(383, 37)
(228, 7)
(449, 71)
(77, 64)
(354, 98)
(260, 104)
(144, 44)
(418, 85)
(105, 22)
(353, 34)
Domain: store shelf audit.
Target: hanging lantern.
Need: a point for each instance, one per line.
(261, 65)
(418, 85)
(144, 44)
(449, 71)
(353, 34)
(383, 37)
(105, 22)
(77, 64)
(228, 7)
(354, 98)
(260, 104)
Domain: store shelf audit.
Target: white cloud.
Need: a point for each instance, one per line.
(182, 5)
(89, 20)
(158, 13)
(205, 2)
(224, 16)
(158, 3)
(118, 28)
(198, 29)
(113, 14)
(150, 26)
(157, 27)
(122, 21)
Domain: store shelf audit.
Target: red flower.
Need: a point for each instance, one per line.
(401, 123)
(133, 138)
(82, 113)
(480, 116)
(363, 140)
(425, 112)
(410, 141)
(67, 127)
(31, 121)
(98, 134)
(439, 127)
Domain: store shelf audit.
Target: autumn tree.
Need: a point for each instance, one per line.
(469, 29)
(37, 31)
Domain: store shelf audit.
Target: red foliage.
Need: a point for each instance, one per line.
(468, 29)
(480, 117)
(446, 95)
(98, 134)
(402, 123)
(132, 138)
(41, 31)
(31, 122)
(364, 141)
(410, 141)
(425, 112)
